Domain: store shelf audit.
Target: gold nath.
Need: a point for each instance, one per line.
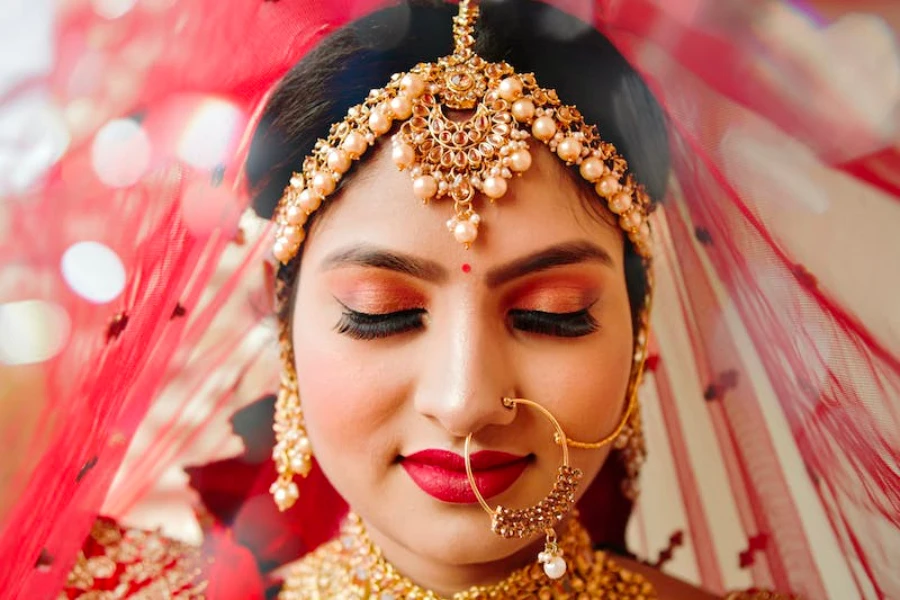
(458, 159)
(543, 516)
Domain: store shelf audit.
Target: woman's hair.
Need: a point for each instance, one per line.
(564, 54)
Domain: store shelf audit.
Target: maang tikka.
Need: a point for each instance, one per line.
(459, 159)
(499, 114)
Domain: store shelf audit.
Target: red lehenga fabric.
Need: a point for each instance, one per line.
(772, 403)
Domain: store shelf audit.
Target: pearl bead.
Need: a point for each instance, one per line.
(424, 187)
(355, 144)
(282, 251)
(309, 201)
(295, 216)
(592, 169)
(607, 186)
(403, 155)
(510, 88)
(555, 567)
(338, 161)
(569, 149)
(523, 110)
(297, 181)
(620, 203)
(494, 187)
(543, 128)
(298, 465)
(631, 220)
(465, 232)
(294, 235)
(323, 182)
(401, 107)
(303, 445)
(379, 121)
(520, 160)
(285, 494)
(413, 85)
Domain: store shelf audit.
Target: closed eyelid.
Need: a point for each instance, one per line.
(554, 294)
(379, 300)
(555, 302)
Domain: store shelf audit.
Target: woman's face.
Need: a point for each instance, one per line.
(406, 342)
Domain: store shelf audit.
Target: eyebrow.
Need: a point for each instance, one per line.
(568, 253)
(371, 256)
(558, 255)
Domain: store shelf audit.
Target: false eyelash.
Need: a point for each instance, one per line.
(568, 325)
(366, 326)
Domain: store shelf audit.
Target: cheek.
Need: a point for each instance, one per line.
(349, 403)
(589, 384)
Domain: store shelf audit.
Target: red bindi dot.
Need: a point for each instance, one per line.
(466, 268)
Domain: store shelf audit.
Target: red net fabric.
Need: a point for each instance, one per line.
(776, 345)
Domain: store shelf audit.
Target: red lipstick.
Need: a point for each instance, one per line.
(442, 474)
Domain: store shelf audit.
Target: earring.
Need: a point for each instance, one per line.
(632, 450)
(543, 516)
(292, 453)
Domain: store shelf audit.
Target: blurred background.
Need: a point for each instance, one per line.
(62, 94)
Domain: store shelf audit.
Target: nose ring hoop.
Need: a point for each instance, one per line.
(546, 514)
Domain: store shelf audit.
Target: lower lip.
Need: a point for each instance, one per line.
(448, 485)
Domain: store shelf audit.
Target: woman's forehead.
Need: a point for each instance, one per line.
(544, 207)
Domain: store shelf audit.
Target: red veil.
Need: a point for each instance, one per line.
(134, 319)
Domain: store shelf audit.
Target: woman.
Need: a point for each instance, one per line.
(436, 373)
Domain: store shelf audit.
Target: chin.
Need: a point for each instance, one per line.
(459, 535)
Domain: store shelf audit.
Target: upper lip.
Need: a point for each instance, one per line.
(451, 461)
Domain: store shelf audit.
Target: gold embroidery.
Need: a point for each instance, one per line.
(130, 563)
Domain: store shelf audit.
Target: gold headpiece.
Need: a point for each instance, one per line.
(456, 159)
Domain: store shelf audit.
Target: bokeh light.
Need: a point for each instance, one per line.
(209, 135)
(112, 9)
(34, 136)
(32, 331)
(93, 271)
(120, 153)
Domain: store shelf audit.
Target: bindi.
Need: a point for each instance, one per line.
(466, 268)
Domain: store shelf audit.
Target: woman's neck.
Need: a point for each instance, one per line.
(447, 579)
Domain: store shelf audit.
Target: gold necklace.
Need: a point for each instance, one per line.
(352, 567)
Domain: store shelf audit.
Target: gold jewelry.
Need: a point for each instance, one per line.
(351, 566)
(457, 159)
(292, 452)
(632, 450)
(543, 516)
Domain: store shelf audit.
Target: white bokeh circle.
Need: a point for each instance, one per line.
(209, 134)
(120, 153)
(32, 331)
(93, 271)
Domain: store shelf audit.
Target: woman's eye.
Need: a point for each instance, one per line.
(367, 326)
(569, 325)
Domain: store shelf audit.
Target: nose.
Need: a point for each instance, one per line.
(466, 375)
